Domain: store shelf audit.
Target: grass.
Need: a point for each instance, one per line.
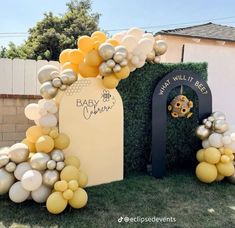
(178, 195)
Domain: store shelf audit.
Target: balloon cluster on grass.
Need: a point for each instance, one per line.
(217, 156)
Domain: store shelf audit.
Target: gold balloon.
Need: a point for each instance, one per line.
(106, 51)
(50, 177)
(110, 63)
(51, 164)
(121, 49)
(60, 166)
(123, 63)
(10, 167)
(202, 132)
(218, 116)
(110, 82)
(56, 203)
(62, 141)
(160, 47)
(46, 73)
(117, 68)
(79, 199)
(19, 152)
(104, 69)
(57, 155)
(220, 126)
(39, 161)
(56, 82)
(118, 57)
(6, 181)
(47, 90)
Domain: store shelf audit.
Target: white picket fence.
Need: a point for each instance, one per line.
(19, 76)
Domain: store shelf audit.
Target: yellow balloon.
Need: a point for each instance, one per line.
(97, 45)
(33, 133)
(73, 185)
(46, 130)
(82, 179)
(88, 71)
(72, 66)
(30, 145)
(68, 194)
(76, 56)
(200, 155)
(219, 177)
(225, 159)
(62, 141)
(113, 42)
(64, 56)
(45, 144)
(110, 82)
(206, 172)
(225, 169)
(99, 36)
(123, 73)
(69, 173)
(212, 155)
(85, 43)
(93, 59)
(54, 133)
(56, 203)
(61, 186)
(72, 160)
(231, 156)
(79, 199)
(228, 151)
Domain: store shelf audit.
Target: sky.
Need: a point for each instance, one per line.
(17, 16)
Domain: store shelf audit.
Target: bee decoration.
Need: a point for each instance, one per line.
(180, 106)
(106, 95)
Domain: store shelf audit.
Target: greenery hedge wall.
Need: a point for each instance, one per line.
(136, 92)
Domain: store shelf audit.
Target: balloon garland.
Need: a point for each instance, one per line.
(218, 142)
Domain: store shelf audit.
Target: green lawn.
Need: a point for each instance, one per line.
(178, 195)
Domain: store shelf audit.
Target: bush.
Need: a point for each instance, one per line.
(136, 92)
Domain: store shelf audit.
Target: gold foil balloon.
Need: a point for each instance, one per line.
(4, 159)
(160, 47)
(10, 167)
(60, 166)
(104, 69)
(57, 155)
(39, 161)
(63, 87)
(56, 82)
(19, 152)
(202, 132)
(71, 76)
(117, 68)
(220, 126)
(106, 51)
(110, 63)
(6, 181)
(218, 116)
(51, 164)
(118, 57)
(123, 63)
(46, 73)
(50, 177)
(121, 49)
(47, 90)
(65, 79)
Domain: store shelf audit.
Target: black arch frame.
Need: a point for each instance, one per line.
(159, 111)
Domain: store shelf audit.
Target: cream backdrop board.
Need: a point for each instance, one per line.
(92, 116)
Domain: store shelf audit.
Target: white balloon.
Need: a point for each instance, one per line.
(130, 42)
(135, 60)
(132, 68)
(231, 146)
(17, 193)
(119, 36)
(21, 169)
(136, 32)
(31, 180)
(226, 139)
(32, 111)
(48, 120)
(41, 194)
(149, 36)
(215, 140)
(145, 45)
(206, 144)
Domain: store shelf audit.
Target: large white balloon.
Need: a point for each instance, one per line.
(136, 32)
(31, 180)
(149, 36)
(32, 111)
(41, 194)
(130, 42)
(21, 169)
(145, 45)
(17, 193)
(48, 106)
(119, 36)
(215, 140)
(48, 120)
(206, 144)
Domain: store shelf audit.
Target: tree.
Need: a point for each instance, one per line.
(53, 33)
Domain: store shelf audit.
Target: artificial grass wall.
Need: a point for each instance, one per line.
(137, 91)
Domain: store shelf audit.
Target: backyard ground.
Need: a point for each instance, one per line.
(178, 196)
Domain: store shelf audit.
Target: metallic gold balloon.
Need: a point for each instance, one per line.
(60, 166)
(106, 51)
(71, 75)
(110, 63)
(55, 74)
(6, 181)
(160, 47)
(117, 68)
(39, 161)
(63, 87)
(65, 79)
(122, 49)
(57, 155)
(18, 153)
(48, 91)
(231, 179)
(10, 167)
(202, 132)
(211, 118)
(45, 73)
(208, 124)
(50, 177)
(51, 164)
(151, 56)
(220, 126)
(218, 116)
(104, 69)
(118, 57)
(56, 82)
(157, 59)
(123, 63)
(4, 159)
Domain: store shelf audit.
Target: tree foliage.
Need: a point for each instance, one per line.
(54, 33)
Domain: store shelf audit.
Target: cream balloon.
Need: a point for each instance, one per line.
(136, 32)
(119, 36)
(41, 194)
(4, 159)
(206, 144)
(21, 169)
(48, 120)
(19, 152)
(10, 167)
(130, 42)
(17, 193)
(145, 45)
(215, 140)
(160, 47)
(6, 181)
(32, 111)
(39, 161)
(31, 180)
